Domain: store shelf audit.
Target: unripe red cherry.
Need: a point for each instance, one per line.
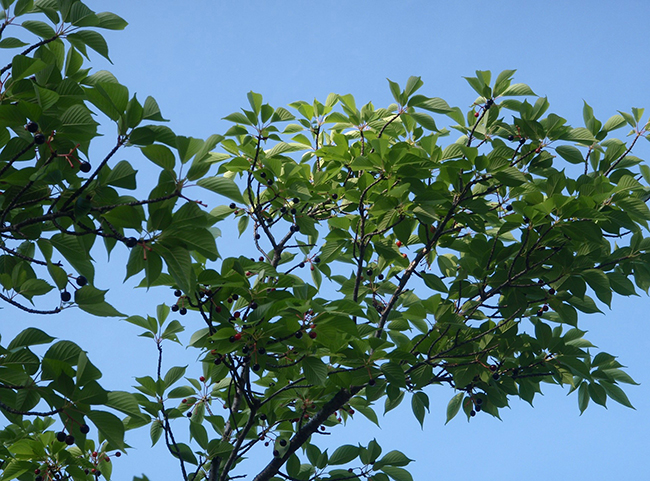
(313, 334)
(237, 336)
(202, 379)
(475, 114)
(398, 243)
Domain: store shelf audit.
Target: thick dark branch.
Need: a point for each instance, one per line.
(301, 437)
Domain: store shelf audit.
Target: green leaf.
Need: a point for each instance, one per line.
(454, 406)
(22, 66)
(344, 454)
(109, 426)
(570, 154)
(315, 370)
(160, 155)
(616, 393)
(419, 402)
(516, 90)
(398, 474)
(223, 186)
(30, 337)
(110, 21)
(92, 39)
(39, 28)
(392, 458)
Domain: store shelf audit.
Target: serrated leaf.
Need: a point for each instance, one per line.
(454, 406)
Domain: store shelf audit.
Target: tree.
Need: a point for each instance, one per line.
(390, 261)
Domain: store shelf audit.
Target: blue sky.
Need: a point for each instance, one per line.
(200, 58)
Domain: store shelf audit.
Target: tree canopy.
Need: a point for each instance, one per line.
(394, 255)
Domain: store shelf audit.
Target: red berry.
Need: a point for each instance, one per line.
(237, 336)
(184, 401)
(475, 114)
(313, 334)
(202, 379)
(399, 243)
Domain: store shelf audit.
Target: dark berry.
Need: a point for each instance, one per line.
(276, 453)
(37, 471)
(262, 351)
(508, 208)
(32, 127)
(283, 210)
(495, 376)
(335, 196)
(38, 478)
(60, 436)
(235, 296)
(253, 305)
(182, 311)
(283, 442)
(66, 296)
(540, 312)
(232, 339)
(244, 349)
(316, 260)
(233, 205)
(472, 413)
(380, 277)
(98, 473)
(522, 140)
(258, 237)
(85, 167)
(369, 272)
(263, 417)
(312, 334)
(293, 211)
(118, 454)
(269, 182)
(217, 361)
(493, 367)
(69, 439)
(39, 139)
(477, 409)
(84, 428)
(296, 200)
(372, 382)
(511, 137)
(545, 308)
(298, 334)
(178, 293)
(551, 291)
(189, 414)
(479, 401)
(302, 264)
(175, 308)
(131, 242)
(256, 367)
(82, 281)
(262, 174)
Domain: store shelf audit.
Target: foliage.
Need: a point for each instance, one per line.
(427, 263)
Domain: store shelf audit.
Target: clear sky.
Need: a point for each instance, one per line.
(199, 58)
